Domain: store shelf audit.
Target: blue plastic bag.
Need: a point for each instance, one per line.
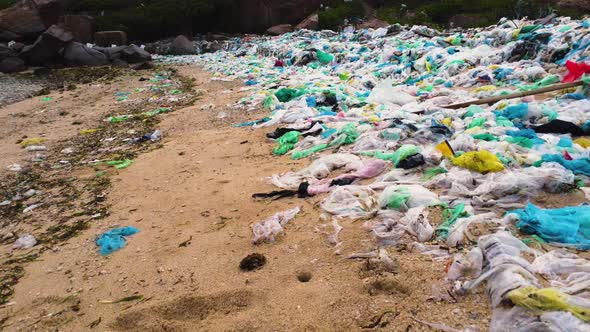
(114, 239)
(577, 166)
(569, 225)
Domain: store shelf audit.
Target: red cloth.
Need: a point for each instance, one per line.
(567, 156)
(575, 71)
(279, 63)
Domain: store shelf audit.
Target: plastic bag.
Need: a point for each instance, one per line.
(578, 166)
(286, 142)
(268, 229)
(416, 221)
(481, 161)
(351, 202)
(318, 169)
(550, 299)
(569, 225)
(466, 266)
(114, 239)
(386, 94)
(25, 241)
(402, 198)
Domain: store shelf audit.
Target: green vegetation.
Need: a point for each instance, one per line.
(439, 13)
(150, 19)
(335, 12)
(6, 3)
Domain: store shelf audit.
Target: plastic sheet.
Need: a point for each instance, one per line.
(569, 225)
(267, 230)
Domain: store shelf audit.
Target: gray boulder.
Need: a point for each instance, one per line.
(17, 47)
(78, 55)
(81, 26)
(6, 52)
(12, 65)
(279, 29)
(135, 54)
(312, 22)
(112, 53)
(182, 46)
(46, 46)
(20, 22)
(109, 38)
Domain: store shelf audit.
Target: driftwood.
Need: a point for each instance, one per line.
(494, 99)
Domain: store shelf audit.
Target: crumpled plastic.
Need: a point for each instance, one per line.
(286, 142)
(568, 225)
(550, 299)
(267, 230)
(480, 161)
(114, 239)
(405, 197)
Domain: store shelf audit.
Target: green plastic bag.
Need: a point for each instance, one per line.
(285, 94)
(350, 133)
(399, 199)
(400, 154)
(450, 215)
(477, 122)
(522, 141)
(306, 153)
(286, 143)
(472, 110)
(430, 173)
(325, 58)
(503, 122)
(120, 164)
(485, 137)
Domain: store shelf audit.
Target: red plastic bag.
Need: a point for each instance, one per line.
(575, 71)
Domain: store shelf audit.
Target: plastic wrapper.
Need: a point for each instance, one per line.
(267, 230)
(466, 266)
(404, 197)
(416, 221)
(351, 202)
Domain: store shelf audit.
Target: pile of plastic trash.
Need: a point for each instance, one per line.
(375, 103)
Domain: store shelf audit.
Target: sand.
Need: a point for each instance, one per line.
(190, 195)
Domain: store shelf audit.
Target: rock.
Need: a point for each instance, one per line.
(373, 23)
(6, 52)
(160, 47)
(212, 47)
(143, 66)
(109, 38)
(182, 46)
(81, 26)
(12, 65)
(17, 47)
(20, 22)
(237, 15)
(118, 63)
(279, 29)
(47, 45)
(210, 36)
(312, 22)
(135, 54)
(78, 55)
(112, 53)
(582, 6)
(466, 20)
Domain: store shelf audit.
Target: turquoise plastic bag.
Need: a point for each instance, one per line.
(569, 225)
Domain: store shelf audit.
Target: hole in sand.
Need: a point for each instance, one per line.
(304, 276)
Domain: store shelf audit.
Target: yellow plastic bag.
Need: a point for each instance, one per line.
(547, 299)
(32, 141)
(480, 161)
(446, 149)
(583, 142)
